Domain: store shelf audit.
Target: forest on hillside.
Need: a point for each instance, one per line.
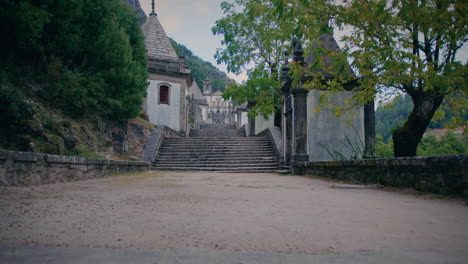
(83, 58)
(201, 69)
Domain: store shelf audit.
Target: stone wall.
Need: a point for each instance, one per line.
(28, 168)
(261, 123)
(155, 140)
(329, 136)
(437, 174)
(274, 135)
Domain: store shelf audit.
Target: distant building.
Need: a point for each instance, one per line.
(219, 111)
(440, 133)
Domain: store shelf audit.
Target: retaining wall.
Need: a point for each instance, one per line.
(274, 135)
(438, 174)
(28, 168)
(155, 140)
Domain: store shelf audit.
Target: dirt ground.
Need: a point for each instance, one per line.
(241, 212)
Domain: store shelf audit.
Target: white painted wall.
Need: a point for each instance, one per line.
(204, 111)
(244, 119)
(261, 123)
(326, 131)
(162, 114)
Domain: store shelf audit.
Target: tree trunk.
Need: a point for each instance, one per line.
(407, 137)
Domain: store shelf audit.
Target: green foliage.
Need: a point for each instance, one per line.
(253, 41)
(260, 88)
(450, 144)
(383, 149)
(83, 152)
(403, 45)
(202, 70)
(88, 56)
(15, 112)
(451, 114)
(392, 115)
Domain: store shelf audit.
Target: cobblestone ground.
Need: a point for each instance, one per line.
(238, 212)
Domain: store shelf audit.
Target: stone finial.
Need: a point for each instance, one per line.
(152, 9)
(297, 51)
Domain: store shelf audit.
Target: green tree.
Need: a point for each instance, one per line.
(88, 56)
(405, 45)
(253, 41)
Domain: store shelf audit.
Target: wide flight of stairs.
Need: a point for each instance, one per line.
(219, 148)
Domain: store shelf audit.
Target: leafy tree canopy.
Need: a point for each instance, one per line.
(88, 56)
(253, 41)
(405, 45)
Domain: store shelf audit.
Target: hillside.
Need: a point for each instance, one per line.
(71, 74)
(201, 69)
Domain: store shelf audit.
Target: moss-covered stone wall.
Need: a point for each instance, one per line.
(438, 174)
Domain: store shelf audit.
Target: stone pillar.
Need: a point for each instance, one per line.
(369, 130)
(286, 110)
(251, 104)
(287, 129)
(300, 125)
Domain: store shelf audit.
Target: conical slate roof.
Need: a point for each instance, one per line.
(326, 65)
(158, 46)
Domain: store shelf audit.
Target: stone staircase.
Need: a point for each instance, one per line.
(217, 148)
(215, 130)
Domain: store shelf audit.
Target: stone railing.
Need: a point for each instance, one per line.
(27, 168)
(437, 174)
(276, 139)
(155, 140)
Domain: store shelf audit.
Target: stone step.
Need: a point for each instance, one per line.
(215, 148)
(227, 158)
(217, 165)
(220, 169)
(202, 146)
(194, 156)
(214, 138)
(216, 142)
(231, 154)
(218, 162)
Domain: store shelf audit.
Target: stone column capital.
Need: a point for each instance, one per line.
(299, 91)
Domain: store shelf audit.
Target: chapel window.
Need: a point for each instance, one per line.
(164, 94)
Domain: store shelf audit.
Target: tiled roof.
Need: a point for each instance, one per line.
(157, 43)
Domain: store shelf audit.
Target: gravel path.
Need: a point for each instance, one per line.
(238, 212)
